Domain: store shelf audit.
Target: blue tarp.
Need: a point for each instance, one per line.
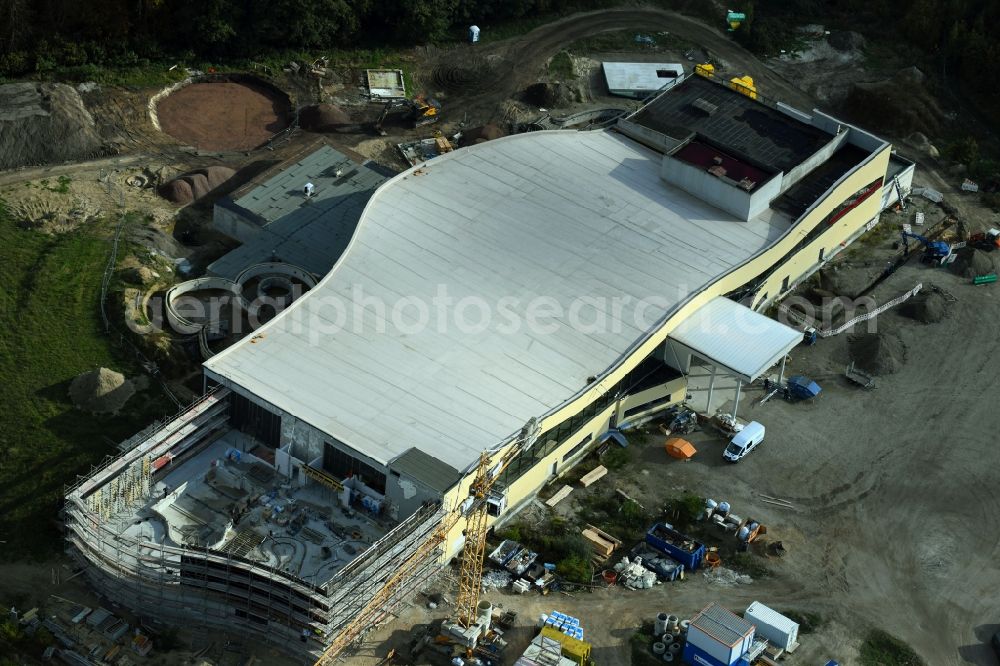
(615, 435)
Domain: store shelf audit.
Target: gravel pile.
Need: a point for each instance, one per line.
(972, 263)
(101, 391)
(41, 123)
(878, 353)
(928, 307)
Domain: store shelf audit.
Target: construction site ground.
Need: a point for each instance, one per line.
(894, 500)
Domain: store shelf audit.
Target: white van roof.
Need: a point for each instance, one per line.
(750, 431)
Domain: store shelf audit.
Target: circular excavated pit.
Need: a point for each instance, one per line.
(236, 114)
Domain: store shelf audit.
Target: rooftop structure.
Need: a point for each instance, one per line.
(640, 79)
(276, 220)
(547, 215)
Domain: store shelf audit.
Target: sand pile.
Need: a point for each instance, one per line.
(101, 391)
(878, 353)
(322, 118)
(928, 307)
(193, 185)
(482, 134)
(972, 263)
(42, 123)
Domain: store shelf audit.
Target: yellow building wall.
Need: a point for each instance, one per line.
(676, 389)
(795, 266)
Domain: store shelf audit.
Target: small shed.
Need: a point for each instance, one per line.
(680, 448)
(780, 631)
(641, 79)
(717, 637)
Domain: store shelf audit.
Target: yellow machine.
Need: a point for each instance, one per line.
(744, 85)
(707, 70)
(464, 624)
(420, 111)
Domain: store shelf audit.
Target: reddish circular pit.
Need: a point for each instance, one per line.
(223, 115)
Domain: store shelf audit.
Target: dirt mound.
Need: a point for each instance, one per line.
(482, 134)
(42, 123)
(551, 95)
(101, 391)
(972, 263)
(847, 40)
(928, 307)
(473, 75)
(323, 118)
(895, 105)
(193, 185)
(878, 353)
(223, 115)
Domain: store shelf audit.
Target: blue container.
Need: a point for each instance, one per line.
(664, 538)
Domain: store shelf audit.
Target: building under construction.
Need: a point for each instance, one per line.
(332, 442)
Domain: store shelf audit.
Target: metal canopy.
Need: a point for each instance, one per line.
(741, 342)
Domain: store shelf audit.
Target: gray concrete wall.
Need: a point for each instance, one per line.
(647, 137)
(820, 156)
(717, 192)
(792, 112)
(406, 494)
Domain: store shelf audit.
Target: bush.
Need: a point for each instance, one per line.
(685, 510)
(616, 457)
(575, 569)
(634, 516)
(883, 649)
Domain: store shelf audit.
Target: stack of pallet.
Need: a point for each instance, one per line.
(602, 543)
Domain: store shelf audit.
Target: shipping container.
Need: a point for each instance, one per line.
(779, 631)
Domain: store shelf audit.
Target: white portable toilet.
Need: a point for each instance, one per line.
(309, 189)
(473, 34)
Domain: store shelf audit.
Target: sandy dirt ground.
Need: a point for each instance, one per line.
(222, 115)
(896, 504)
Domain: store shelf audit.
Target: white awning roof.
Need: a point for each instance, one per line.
(738, 340)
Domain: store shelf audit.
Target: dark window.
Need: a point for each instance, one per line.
(822, 253)
(576, 449)
(343, 466)
(784, 284)
(255, 420)
(666, 74)
(646, 406)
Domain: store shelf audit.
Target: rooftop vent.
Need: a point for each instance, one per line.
(747, 184)
(717, 170)
(704, 106)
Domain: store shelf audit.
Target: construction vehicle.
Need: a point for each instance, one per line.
(466, 626)
(420, 111)
(934, 250)
(985, 240)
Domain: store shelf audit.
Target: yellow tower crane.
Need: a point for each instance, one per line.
(474, 509)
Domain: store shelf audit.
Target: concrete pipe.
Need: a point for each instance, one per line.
(674, 647)
(659, 648)
(667, 637)
(668, 656)
(660, 625)
(672, 623)
(684, 626)
(484, 613)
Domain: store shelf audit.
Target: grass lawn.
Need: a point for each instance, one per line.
(51, 332)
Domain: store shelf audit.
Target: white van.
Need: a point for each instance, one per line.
(744, 441)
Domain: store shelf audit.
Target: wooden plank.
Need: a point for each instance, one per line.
(559, 496)
(599, 544)
(593, 476)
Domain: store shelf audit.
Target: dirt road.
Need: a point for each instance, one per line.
(480, 77)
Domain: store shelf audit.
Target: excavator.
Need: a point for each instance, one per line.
(934, 250)
(466, 625)
(420, 111)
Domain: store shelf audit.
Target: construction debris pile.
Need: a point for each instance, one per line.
(634, 575)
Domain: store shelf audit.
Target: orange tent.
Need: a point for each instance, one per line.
(680, 448)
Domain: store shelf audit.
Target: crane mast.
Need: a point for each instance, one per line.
(474, 509)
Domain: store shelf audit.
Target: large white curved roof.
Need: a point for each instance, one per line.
(560, 216)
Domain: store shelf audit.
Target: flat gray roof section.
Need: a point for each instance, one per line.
(427, 469)
(734, 337)
(310, 233)
(722, 624)
(742, 125)
(640, 79)
(576, 220)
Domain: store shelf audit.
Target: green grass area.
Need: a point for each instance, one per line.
(52, 331)
(561, 67)
(883, 649)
